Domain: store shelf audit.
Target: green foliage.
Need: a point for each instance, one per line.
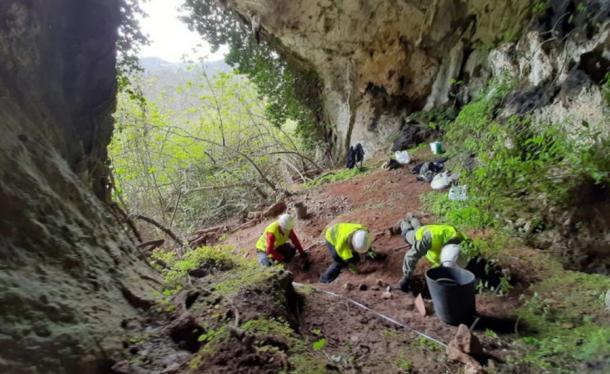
(466, 214)
(209, 335)
(192, 166)
(319, 344)
(302, 360)
(469, 128)
(540, 6)
(403, 364)
(291, 93)
(567, 324)
(129, 43)
(211, 258)
(427, 344)
(337, 176)
(521, 164)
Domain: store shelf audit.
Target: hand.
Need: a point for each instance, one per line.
(353, 268)
(404, 284)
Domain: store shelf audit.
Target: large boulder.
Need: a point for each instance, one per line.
(69, 275)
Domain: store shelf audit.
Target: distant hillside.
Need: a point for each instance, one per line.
(167, 83)
(154, 65)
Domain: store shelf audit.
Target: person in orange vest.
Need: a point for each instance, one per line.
(273, 246)
(345, 243)
(439, 244)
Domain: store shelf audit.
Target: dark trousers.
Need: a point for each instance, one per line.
(287, 250)
(338, 263)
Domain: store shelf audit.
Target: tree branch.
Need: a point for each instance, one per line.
(169, 232)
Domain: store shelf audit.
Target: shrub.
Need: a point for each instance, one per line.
(336, 176)
(211, 258)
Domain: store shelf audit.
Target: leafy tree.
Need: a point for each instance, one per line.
(130, 40)
(291, 92)
(201, 164)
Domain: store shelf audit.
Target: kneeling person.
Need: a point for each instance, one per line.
(273, 244)
(438, 243)
(345, 243)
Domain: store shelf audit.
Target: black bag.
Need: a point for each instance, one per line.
(355, 155)
(351, 158)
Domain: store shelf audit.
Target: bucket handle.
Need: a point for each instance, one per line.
(446, 281)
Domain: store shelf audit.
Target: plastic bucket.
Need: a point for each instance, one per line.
(436, 148)
(452, 291)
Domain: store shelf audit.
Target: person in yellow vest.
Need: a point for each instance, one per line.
(273, 243)
(345, 243)
(438, 243)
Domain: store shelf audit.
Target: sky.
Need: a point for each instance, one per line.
(170, 38)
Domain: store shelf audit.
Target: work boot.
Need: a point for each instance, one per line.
(404, 284)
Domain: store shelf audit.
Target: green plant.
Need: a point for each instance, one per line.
(467, 214)
(208, 335)
(211, 258)
(426, 344)
(404, 364)
(540, 6)
(337, 176)
(319, 344)
(291, 91)
(565, 323)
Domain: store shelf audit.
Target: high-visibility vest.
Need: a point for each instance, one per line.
(441, 234)
(280, 237)
(339, 234)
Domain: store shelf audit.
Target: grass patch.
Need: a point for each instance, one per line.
(336, 176)
(300, 357)
(402, 363)
(567, 324)
(466, 214)
(213, 259)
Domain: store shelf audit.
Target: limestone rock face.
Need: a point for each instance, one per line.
(68, 274)
(380, 60)
(380, 57)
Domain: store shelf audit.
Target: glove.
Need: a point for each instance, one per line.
(404, 284)
(353, 268)
(277, 257)
(372, 255)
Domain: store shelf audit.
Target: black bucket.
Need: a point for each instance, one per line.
(452, 291)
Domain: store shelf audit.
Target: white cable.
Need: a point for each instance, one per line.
(362, 306)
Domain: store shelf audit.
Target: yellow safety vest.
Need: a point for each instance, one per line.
(280, 237)
(441, 234)
(339, 234)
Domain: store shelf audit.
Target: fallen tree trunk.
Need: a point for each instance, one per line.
(167, 231)
(151, 244)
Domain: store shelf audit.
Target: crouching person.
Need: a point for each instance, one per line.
(438, 243)
(345, 243)
(273, 244)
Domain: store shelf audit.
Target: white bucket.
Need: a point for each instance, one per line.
(436, 148)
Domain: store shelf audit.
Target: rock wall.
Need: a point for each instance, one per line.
(69, 275)
(380, 60)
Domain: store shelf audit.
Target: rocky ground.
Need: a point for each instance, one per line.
(237, 318)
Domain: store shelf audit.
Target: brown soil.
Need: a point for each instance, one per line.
(379, 199)
(357, 340)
